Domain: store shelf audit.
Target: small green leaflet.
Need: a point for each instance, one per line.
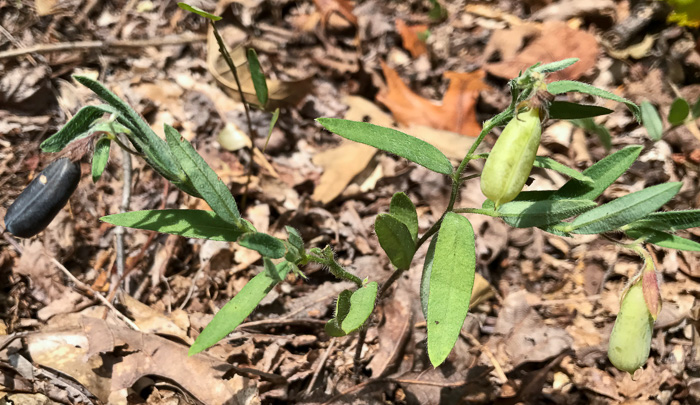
(651, 120)
(240, 306)
(566, 86)
(451, 282)
(425, 279)
(663, 239)
(352, 310)
(392, 141)
(395, 239)
(203, 178)
(551, 164)
(273, 121)
(679, 111)
(76, 128)
(402, 208)
(100, 158)
(623, 210)
(188, 223)
(555, 66)
(266, 245)
(525, 214)
(258, 77)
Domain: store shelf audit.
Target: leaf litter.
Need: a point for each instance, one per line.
(538, 331)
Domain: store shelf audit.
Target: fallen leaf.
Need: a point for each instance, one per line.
(410, 35)
(456, 113)
(557, 41)
(329, 8)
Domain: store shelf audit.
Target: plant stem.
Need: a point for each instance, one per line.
(336, 269)
(490, 213)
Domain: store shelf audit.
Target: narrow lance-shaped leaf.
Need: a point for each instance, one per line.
(395, 239)
(203, 178)
(258, 77)
(451, 283)
(236, 310)
(188, 223)
(100, 158)
(669, 220)
(74, 129)
(198, 11)
(651, 120)
(663, 239)
(565, 110)
(342, 307)
(425, 278)
(392, 141)
(599, 130)
(524, 214)
(604, 173)
(273, 121)
(551, 164)
(556, 66)
(565, 86)
(624, 210)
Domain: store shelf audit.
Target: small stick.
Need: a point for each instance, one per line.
(102, 45)
(321, 364)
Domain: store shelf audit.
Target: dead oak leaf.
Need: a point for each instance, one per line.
(557, 41)
(410, 36)
(457, 113)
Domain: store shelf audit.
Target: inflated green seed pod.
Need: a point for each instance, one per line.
(510, 161)
(43, 198)
(630, 340)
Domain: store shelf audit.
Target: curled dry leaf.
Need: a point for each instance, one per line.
(410, 37)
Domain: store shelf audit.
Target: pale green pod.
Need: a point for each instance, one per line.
(630, 340)
(510, 161)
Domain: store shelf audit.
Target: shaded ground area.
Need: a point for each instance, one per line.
(543, 305)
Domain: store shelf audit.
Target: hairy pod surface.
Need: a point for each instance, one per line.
(43, 198)
(630, 340)
(510, 161)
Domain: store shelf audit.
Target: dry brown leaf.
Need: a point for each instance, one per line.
(329, 8)
(393, 334)
(280, 93)
(456, 113)
(557, 41)
(409, 35)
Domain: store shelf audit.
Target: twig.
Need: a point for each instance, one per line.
(82, 286)
(126, 199)
(194, 284)
(105, 45)
(358, 352)
(494, 362)
(321, 364)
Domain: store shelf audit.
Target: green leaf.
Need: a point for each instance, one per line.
(451, 283)
(525, 214)
(669, 220)
(198, 11)
(76, 128)
(604, 173)
(392, 141)
(425, 278)
(551, 164)
(188, 223)
(565, 86)
(361, 307)
(696, 109)
(203, 178)
(651, 120)
(663, 239)
(679, 111)
(437, 11)
(100, 158)
(589, 125)
(146, 141)
(257, 76)
(236, 310)
(395, 239)
(564, 110)
(342, 308)
(273, 121)
(295, 246)
(556, 66)
(402, 208)
(266, 245)
(530, 195)
(624, 210)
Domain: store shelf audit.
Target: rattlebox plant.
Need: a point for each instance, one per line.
(450, 264)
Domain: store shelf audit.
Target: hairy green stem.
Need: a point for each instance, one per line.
(336, 269)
